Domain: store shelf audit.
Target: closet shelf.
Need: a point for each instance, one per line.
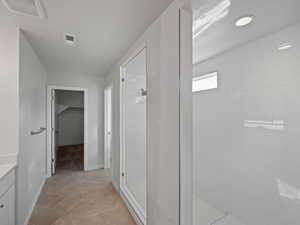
(62, 108)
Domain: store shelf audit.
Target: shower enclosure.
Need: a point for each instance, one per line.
(240, 107)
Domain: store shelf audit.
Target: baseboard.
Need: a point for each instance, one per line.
(35, 200)
(116, 186)
(131, 210)
(96, 167)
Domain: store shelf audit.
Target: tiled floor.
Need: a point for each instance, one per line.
(80, 198)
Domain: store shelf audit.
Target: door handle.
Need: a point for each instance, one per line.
(39, 131)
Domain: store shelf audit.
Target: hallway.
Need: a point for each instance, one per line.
(139, 112)
(77, 198)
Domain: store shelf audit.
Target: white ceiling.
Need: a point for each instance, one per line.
(104, 30)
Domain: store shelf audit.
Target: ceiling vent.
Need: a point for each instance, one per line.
(70, 39)
(32, 8)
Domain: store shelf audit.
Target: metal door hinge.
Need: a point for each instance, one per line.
(143, 92)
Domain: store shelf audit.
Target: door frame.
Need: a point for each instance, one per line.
(186, 115)
(107, 103)
(129, 200)
(50, 89)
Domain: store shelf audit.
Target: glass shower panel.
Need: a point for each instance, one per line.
(135, 133)
(246, 126)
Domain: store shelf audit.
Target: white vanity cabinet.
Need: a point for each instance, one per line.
(7, 198)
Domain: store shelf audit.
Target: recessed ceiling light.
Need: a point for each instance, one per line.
(284, 46)
(244, 21)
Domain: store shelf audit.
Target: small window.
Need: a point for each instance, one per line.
(205, 82)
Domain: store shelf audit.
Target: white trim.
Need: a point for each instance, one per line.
(86, 139)
(134, 55)
(207, 75)
(130, 199)
(185, 111)
(107, 151)
(97, 167)
(134, 204)
(36, 198)
(148, 155)
(131, 210)
(117, 188)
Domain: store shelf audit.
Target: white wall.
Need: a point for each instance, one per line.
(32, 154)
(162, 40)
(9, 88)
(71, 127)
(95, 107)
(70, 121)
(70, 98)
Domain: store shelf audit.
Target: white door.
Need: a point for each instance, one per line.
(133, 160)
(108, 127)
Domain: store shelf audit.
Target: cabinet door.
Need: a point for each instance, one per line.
(7, 209)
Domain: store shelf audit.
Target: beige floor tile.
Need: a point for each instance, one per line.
(44, 216)
(80, 198)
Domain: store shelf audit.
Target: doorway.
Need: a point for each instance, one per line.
(133, 134)
(67, 121)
